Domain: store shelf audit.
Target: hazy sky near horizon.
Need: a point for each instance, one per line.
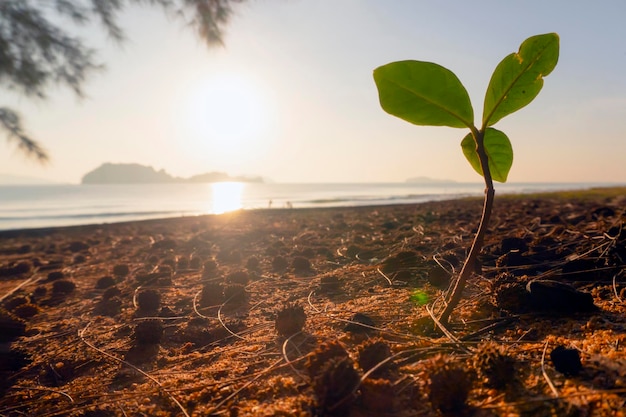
(291, 96)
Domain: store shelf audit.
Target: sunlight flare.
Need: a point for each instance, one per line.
(226, 196)
(228, 115)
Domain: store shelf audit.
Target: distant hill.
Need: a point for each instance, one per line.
(109, 173)
(427, 180)
(126, 174)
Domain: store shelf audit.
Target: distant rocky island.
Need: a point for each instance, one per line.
(109, 173)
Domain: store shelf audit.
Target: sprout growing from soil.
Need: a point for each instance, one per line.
(427, 94)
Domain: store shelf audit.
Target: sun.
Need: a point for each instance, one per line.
(228, 114)
(226, 196)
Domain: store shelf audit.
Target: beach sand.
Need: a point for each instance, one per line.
(317, 312)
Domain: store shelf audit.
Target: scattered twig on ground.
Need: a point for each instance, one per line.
(195, 306)
(135, 297)
(81, 334)
(385, 276)
(30, 280)
(63, 393)
(244, 386)
(443, 328)
(219, 317)
(545, 374)
(286, 356)
(308, 298)
(615, 286)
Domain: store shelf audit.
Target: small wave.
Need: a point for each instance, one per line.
(357, 200)
(327, 200)
(352, 199)
(102, 215)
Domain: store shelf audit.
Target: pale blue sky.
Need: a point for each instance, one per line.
(296, 101)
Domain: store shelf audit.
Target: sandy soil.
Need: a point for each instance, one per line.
(318, 312)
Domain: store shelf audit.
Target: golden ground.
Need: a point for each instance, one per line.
(79, 351)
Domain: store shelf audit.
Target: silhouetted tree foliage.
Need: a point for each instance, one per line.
(37, 52)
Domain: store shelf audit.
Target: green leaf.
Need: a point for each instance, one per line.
(499, 153)
(424, 94)
(518, 78)
(419, 297)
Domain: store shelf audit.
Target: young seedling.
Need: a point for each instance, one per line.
(427, 94)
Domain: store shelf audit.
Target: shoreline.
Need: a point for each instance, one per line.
(583, 193)
(12, 233)
(50, 207)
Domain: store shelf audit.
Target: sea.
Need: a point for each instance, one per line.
(43, 206)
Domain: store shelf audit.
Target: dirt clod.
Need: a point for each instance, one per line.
(290, 320)
(148, 332)
(449, 384)
(566, 360)
(148, 300)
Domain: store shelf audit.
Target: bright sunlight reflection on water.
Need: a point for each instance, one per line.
(226, 196)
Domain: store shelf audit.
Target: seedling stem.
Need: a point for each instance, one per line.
(427, 94)
(454, 296)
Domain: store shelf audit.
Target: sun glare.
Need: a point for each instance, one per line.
(228, 114)
(226, 196)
